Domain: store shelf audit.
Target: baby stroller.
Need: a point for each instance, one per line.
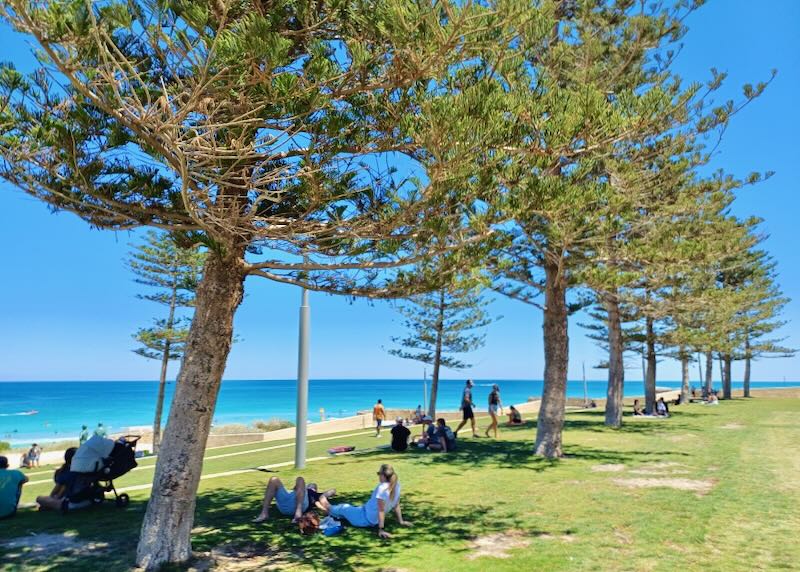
(97, 463)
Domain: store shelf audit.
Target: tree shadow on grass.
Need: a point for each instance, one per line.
(595, 421)
(104, 538)
(224, 521)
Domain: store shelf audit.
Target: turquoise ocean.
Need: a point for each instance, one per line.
(61, 407)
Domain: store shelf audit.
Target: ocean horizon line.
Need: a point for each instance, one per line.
(389, 379)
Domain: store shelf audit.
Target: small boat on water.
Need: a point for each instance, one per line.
(31, 412)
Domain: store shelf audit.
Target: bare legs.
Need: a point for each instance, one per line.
(272, 489)
(472, 422)
(493, 424)
(49, 503)
(324, 505)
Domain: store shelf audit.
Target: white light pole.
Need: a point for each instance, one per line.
(302, 383)
(585, 390)
(425, 389)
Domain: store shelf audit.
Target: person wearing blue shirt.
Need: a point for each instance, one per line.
(11, 481)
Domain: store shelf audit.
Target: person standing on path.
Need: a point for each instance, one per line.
(467, 406)
(495, 405)
(100, 431)
(378, 416)
(84, 436)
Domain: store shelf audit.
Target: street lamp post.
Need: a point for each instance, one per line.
(302, 383)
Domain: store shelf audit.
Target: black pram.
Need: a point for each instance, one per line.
(97, 463)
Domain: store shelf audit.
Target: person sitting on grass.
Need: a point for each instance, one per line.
(11, 481)
(712, 399)
(418, 414)
(428, 433)
(637, 409)
(400, 434)
(290, 503)
(385, 497)
(514, 416)
(68, 483)
(662, 410)
(444, 439)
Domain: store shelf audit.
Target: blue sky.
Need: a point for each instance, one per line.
(68, 306)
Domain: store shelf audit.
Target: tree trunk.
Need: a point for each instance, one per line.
(746, 381)
(166, 528)
(685, 390)
(162, 383)
(162, 380)
(616, 368)
(556, 357)
(437, 358)
(650, 377)
(709, 372)
(726, 387)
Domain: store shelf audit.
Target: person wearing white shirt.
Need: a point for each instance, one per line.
(385, 497)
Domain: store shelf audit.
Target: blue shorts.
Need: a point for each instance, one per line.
(355, 515)
(285, 501)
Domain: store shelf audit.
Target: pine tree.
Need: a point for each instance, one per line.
(174, 272)
(261, 131)
(440, 326)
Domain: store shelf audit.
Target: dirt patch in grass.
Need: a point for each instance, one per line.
(497, 545)
(608, 468)
(45, 546)
(732, 426)
(659, 472)
(661, 469)
(241, 558)
(701, 487)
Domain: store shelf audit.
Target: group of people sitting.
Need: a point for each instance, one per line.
(661, 409)
(435, 436)
(299, 502)
(67, 484)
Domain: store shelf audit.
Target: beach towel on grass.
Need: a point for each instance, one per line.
(89, 456)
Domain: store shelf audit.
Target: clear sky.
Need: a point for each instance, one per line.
(68, 306)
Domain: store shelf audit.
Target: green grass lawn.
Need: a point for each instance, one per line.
(739, 509)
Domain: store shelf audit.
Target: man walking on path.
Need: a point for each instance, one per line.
(84, 436)
(100, 431)
(378, 415)
(466, 408)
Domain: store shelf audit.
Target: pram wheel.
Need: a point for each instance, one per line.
(123, 500)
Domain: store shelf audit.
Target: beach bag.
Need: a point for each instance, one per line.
(330, 526)
(309, 523)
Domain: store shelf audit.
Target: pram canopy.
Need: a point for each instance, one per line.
(105, 458)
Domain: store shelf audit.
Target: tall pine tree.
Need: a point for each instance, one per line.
(174, 272)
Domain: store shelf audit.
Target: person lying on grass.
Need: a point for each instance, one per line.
(385, 497)
(444, 439)
(290, 503)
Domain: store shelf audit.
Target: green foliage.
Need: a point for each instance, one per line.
(5, 446)
(440, 323)
(173, 272)
(272, 425)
